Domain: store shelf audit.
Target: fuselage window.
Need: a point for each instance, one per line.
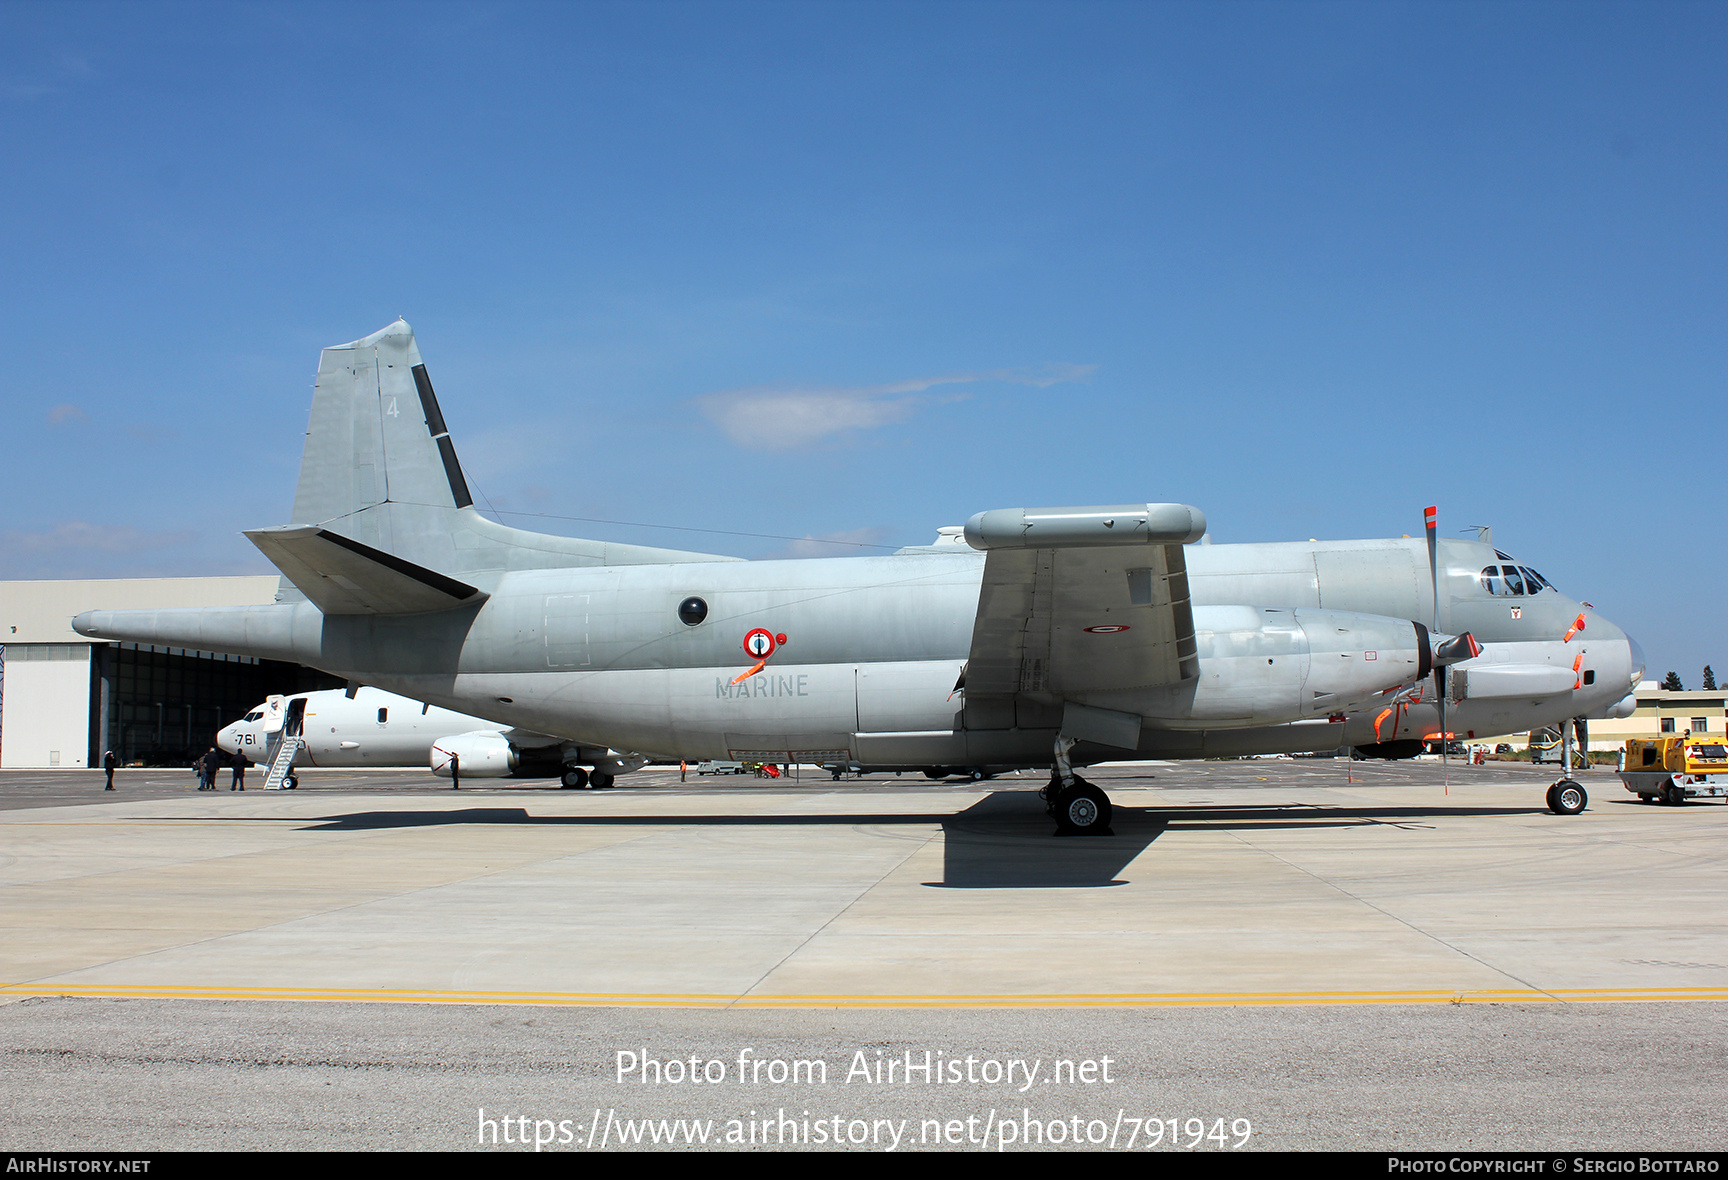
(692, 611)
(383, 716)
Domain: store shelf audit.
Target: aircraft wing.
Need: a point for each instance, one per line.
(528, 739)
(1078, 600)
(340, 576)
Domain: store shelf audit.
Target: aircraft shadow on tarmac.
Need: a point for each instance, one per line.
(1003, 841)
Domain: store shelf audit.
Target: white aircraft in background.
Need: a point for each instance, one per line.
(377, 728)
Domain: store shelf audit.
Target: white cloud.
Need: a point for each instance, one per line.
(843, 544)
(79, 549)
(66, 412)
(782, 419)
(81, 536)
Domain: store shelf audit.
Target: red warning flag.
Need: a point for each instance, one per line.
(1577, 626)
(743, 676)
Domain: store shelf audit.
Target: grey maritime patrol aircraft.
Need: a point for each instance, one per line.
(1032, 638)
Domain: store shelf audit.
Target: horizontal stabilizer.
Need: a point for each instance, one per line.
(343, 577)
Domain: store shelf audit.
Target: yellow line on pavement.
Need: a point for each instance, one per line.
(1010, 1000)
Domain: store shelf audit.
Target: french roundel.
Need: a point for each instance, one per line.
(1107, 629)
(759, 643)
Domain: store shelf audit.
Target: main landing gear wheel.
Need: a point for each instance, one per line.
(574, 778)
(599, 780)
(1567, 797)
(289, 783)
(1081, 810)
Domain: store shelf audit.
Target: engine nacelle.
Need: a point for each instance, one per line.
(481, 754)
(1270, 667)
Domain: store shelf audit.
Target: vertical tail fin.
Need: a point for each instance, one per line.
(379, 468)
(378, 457)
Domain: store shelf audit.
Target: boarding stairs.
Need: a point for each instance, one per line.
(283, 762)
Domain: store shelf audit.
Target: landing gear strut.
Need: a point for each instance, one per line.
(1567, 797)
(1078, 807)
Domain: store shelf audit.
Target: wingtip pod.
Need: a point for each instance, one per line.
(1086, 527)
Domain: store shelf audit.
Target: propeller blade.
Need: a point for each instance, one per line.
(1430, 517)
(1430, 521)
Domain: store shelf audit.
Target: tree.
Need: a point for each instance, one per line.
(1671, 683)
(1709, 677)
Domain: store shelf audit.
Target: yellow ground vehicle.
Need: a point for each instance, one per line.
(1676, 767)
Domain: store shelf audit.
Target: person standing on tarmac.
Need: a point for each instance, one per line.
(109, 762)
(212, 761)
(239, 765)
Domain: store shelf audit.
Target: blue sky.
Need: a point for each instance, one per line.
(854, 271)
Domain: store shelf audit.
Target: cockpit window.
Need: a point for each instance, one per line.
(1514, 581)
(253, 716)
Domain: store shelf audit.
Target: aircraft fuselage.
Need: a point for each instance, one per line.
(873, 649)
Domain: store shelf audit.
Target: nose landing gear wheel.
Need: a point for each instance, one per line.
(1081, 810)
(289, 783)
(574, 778)
(1567, 797)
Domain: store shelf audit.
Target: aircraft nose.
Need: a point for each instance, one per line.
(226, 739)
(1638, 664)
